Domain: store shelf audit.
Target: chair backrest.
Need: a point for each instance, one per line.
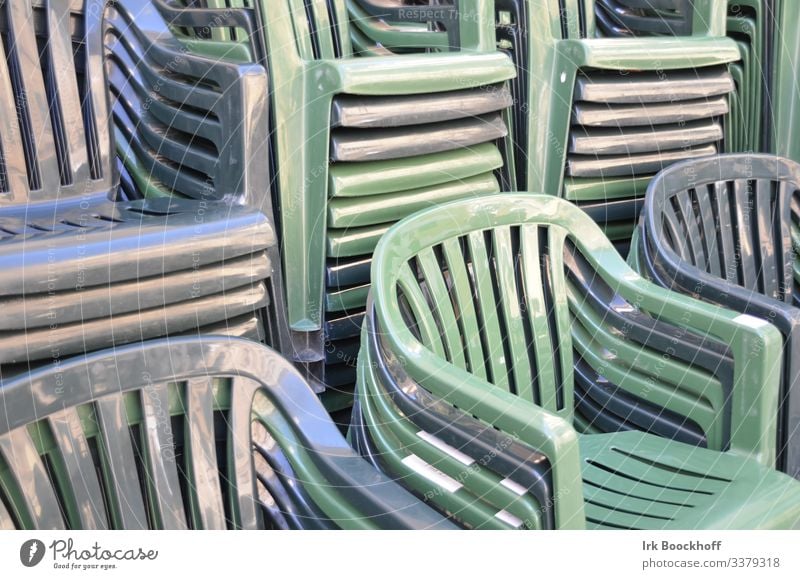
(729, 217)
(489, 297)
(154, 436)
(55, 139)
(198, 432)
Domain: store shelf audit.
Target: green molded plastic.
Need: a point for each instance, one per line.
(460, 333)
(786, 105)
(305, 79)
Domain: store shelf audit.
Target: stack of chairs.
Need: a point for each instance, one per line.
(721, 229)
(748, 23)
(370, 143)
(469, 368)
(785, 81)
(595, 120)
(627, 108)
(91, 257)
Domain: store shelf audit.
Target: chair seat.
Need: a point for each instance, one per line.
(632, 480)
(111, 273)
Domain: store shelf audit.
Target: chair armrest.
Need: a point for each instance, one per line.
(413, 73)
(755, 344)
(649, 53)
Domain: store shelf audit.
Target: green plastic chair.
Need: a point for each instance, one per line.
(368, 143)
(197, 433)
(474, 301)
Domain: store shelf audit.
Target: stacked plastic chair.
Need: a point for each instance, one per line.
(85, 269)
(188, 433)
(720, 229)
(785, 81)
(603, 116)
(467, 375)
(370, 142)
(749, 24)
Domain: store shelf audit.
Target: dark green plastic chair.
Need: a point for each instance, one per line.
(86, 263)
(721, 229)
(474, 301)
(750, 24)
(380, 139)
(199, 433)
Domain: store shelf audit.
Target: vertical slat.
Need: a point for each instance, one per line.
(162, 465)
(66, 81)
(459, 278)
(13, 154)
(673, 225)
(202, 455)
(324, 32)
(23, 37)
(429, 333)
(563, 330)
(487, 303)
(709, 226)
(125, 493)
(300, 27)
(744, 214)
(97, 90)
(765, 243)
(31, 476)
(692, 231)
(722, 210)
(784, 228)
(512, 313)
(442, 306)
(537, 312)
(77, 457)
(240, 472)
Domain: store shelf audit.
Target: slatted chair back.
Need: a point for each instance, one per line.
(729, 218)
(493, 301)
(87, 446)
(54, 112)
(203, 433)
